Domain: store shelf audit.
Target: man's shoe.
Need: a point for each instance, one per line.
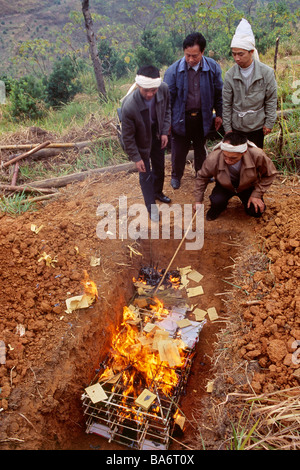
(161, 197)
(212, 215)
(175, 183)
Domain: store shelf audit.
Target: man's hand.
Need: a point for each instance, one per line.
(218, 123)
(266, 130)
(257, 202)
(164, 141)
(140, 166)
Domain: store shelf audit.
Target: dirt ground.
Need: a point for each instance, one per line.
(51, 355)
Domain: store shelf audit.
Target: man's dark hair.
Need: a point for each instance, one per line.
(149, 71)
(235, 138)
(193, 39)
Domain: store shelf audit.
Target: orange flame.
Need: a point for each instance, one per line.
(90, 287)
(145, 363)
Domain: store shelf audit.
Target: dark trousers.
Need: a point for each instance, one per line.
(180, 146)
(220, 197)
(152, 181)
(257, 137)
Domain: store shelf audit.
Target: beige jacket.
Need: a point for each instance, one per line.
(257, 170)
(250, 110)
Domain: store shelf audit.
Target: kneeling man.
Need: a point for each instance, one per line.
(239, 169)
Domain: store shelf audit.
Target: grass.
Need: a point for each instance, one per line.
(16, 204)
(276, 418)
(99, 155)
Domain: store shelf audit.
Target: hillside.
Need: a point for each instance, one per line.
(30, 20)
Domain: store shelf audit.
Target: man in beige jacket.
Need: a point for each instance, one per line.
(239, 169)
(250, 90)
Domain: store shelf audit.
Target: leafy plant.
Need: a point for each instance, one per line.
(62, 84)
(155, 49)
(26, 98)
(241, 436)
(114, 63)
(16, 204)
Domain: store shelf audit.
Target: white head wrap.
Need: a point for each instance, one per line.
(244, 38)
(147, 82)
(234, 148)
(144, 82)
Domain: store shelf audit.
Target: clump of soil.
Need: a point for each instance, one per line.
(273, 318)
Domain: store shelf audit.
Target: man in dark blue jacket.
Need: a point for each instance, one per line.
(195, 84)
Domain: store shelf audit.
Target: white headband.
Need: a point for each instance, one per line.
(234, 148)
(147, 82)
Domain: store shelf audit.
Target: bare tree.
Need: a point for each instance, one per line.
(93, 47)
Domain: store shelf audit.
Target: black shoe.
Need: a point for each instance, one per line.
(212, 215)
(175, 183)
(161, 197)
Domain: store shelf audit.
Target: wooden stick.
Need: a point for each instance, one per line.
(26, 154)
(61, 181)
(39, 198)
(59, 144)
(32, 146)
(178, 248)
(15, 174)
(26, 189)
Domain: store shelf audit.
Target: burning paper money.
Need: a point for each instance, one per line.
(85, 300)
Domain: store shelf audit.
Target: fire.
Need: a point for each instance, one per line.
(139, 364)
(175, 280)
(159, 308)
(90, 287)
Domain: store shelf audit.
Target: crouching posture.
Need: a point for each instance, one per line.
(239, 169)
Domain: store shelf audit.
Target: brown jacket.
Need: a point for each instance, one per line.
(257, 170)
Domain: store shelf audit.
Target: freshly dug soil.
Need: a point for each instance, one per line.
(51, 355)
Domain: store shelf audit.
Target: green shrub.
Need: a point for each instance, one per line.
(62, 84)
(115, 64)
(27, 98)
(154, 49)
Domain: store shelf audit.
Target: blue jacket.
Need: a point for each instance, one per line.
(176, 77)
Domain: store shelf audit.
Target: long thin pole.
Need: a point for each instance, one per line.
(173, 257)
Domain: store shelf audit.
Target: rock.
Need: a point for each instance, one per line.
(277, 350)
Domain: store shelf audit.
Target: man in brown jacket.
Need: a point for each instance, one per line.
(239, 169)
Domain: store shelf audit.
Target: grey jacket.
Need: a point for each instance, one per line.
(136, 126)
(249, 111)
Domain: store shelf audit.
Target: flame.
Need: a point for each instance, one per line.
(90, 287)
(175, 280)
(158, 308)
(140, 364)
